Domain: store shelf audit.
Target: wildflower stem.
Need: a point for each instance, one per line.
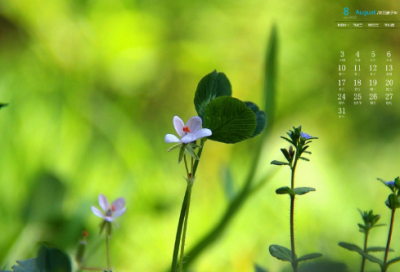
(187, 170)
(108, 253)
(365, 250)
(388, 240)
(189, 189)
(292, 197)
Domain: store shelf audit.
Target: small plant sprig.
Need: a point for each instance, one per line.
(225, 119)
(370, 221)
(393, 203)
(299, 144)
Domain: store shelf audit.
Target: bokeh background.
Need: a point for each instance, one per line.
(93, 85)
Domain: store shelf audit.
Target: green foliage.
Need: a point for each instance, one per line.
(357, 249)
(274, 162)
(284, 191)
(229, 120)
(393, 202)
(210, 87)
(53, 259)
(378, 249)
(258, 268)
(370, 221)
(303, 190)
(3, 105)
(281, 253)
(308, 257)
(261, 118)
(26, 266)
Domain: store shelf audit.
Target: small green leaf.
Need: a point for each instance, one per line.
(191, 152)
(210, 87)
(304, 159)
(357, 249)
(173, 147)
(258, 268)
(281, 253)
(181, 153)
(279, 163)
(229, 120)
(393, 202)
(261, 118)
(392, 261)
(290, 141)
(303, 190)
(25, 266)
(286, 154)
(308, 257)
(377, 249)
(284, 190)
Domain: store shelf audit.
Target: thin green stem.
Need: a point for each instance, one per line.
(388, 240)
(365, 250)
(108, 253)
(179, 233)
(184, 209)
(185, 227)
(186, 167)
(292, 198)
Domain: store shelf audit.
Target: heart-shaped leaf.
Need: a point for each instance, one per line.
(261, 118)
(229, 120)
(210, 87)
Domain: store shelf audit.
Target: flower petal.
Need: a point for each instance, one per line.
(170, 138)
(103, 202)
(118, 204)
(178, 124)
(194, 124)
(108, 218)
(305, 135)
(204, 132)
(119, 212)
(97, 212)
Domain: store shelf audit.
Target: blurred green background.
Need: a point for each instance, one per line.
(93, 85)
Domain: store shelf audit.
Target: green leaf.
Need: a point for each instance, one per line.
(26, 266)
(191, 152)
(308, 257)
(304, 159)
(392, 261)
(378, 249)
(258, 268)
(173, 147)
(53, 259)
(261, 118)
(290, 141)
(281, 253)
(229, 120)
(286, 154)
(279, 163)
(3, 105)
(357, 249)
(181, 153)
(210, 87)
(284, 191)
(303, 190)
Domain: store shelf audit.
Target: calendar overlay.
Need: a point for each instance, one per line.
(365, 79)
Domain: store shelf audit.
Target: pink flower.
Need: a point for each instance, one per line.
(111, 211)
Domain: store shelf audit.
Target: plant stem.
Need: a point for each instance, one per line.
(365, 250)
(189, 190)
(184, 210)
(292, 197)
(108, 253)
(388, 240)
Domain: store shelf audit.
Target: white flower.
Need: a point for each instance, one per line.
(189, 132)
(116, 209)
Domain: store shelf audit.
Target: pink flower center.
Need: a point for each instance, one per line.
(113, 208)
(186, 129)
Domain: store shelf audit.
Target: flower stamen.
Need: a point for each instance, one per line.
(186, 129)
